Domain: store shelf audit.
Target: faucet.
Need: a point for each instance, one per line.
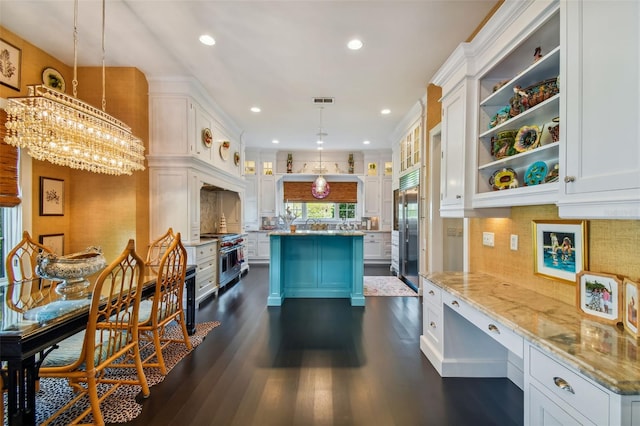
(306, 222)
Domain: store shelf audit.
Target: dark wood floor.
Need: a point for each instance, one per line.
(319, 362)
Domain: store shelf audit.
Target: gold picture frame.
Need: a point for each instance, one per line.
(560, 249)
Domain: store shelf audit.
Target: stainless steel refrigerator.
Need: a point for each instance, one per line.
(406, 215)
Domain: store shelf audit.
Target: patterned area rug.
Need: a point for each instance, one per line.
(121, 406)
(386, 286)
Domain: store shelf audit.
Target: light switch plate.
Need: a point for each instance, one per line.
(488, 239)
(514, 242)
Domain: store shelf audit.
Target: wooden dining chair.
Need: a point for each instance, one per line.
(157, 249)
(111, 338)
(25, 289)
(166, 305)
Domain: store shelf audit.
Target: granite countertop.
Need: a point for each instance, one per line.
(602, 352)
(306, 233)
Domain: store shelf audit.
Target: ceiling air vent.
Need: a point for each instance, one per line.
(323, 101)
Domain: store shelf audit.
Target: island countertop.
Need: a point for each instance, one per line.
(306, 233)
(603, 352)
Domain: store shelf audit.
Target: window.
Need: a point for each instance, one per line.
(323, 211)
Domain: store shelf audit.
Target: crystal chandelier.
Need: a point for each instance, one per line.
(68, 132)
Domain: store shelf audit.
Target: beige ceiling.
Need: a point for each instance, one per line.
(274, 54)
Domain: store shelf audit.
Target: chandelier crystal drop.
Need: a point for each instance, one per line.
(66, 131)
(320, 187)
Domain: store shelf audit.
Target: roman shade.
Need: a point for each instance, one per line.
(341, 192)
(9, 195)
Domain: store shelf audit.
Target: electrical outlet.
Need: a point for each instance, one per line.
(487, 239)
(514, 242)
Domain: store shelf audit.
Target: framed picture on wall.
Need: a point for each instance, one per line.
(51, 197)
(630, 307)
(53, 241)
(599, 295)
(560, 248)
(11, 58)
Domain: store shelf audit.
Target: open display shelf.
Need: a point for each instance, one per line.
(519, 69)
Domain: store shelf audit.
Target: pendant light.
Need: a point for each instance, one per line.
(320, 187)
(66, 131)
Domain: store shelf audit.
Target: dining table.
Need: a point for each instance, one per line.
(26, 338)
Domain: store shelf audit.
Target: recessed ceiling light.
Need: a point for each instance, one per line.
(319, 148)
(255, 109)
(207, 39)
(320, 142)
(354, 44)
(275, 141)
(385, 111)
(366, 142)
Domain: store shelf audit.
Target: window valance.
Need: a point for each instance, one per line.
(341, 192)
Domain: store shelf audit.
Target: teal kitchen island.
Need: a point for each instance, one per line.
(316, 264)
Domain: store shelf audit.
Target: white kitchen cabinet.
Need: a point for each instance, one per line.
(252, 246)
(377, 247)
(264, 247)
(171, 187)
(386, 216)
(459, 94)
(203, 121)
(372, 196)
(432, 326)
(205, 256)
(559, 394)
(250, 208)
(517, 174)
(267, 195)
(600, 173)
(395, 251)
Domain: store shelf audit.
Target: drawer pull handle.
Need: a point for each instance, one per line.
(494, 329)
(431, 292)
(432, 324)
(563, 384)
(455, 303)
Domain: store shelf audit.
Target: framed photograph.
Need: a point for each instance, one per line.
(560, 248)
(630, 307)
(54, 241)
(11, 60)
(51, 197)
(599, 295)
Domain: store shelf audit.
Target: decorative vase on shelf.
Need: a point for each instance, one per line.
(350, 164)
(289, 163)
(223, 224)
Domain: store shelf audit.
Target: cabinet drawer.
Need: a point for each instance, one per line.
(433, 325)
(569, 386)
(499, 332)
(207, 263)
(432, 293)
(206, 251)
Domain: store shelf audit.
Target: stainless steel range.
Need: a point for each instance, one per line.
(230, 256)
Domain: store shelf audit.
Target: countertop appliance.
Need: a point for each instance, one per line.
(230, 256)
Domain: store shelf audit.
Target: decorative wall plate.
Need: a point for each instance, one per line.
(224, 153)
(503, 179)
(207, 137)
(236, 158)
(528, 137)
(52, 79)
(536, 173)
(320, 195)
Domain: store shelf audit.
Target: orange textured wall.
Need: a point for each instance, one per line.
(612, 248)
(99, 210)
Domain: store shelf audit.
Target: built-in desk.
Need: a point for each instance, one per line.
(316, 264)
(572, 369)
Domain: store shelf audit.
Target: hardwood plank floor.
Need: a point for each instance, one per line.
(319, 362)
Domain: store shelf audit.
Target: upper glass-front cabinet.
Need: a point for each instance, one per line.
(410, 149)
